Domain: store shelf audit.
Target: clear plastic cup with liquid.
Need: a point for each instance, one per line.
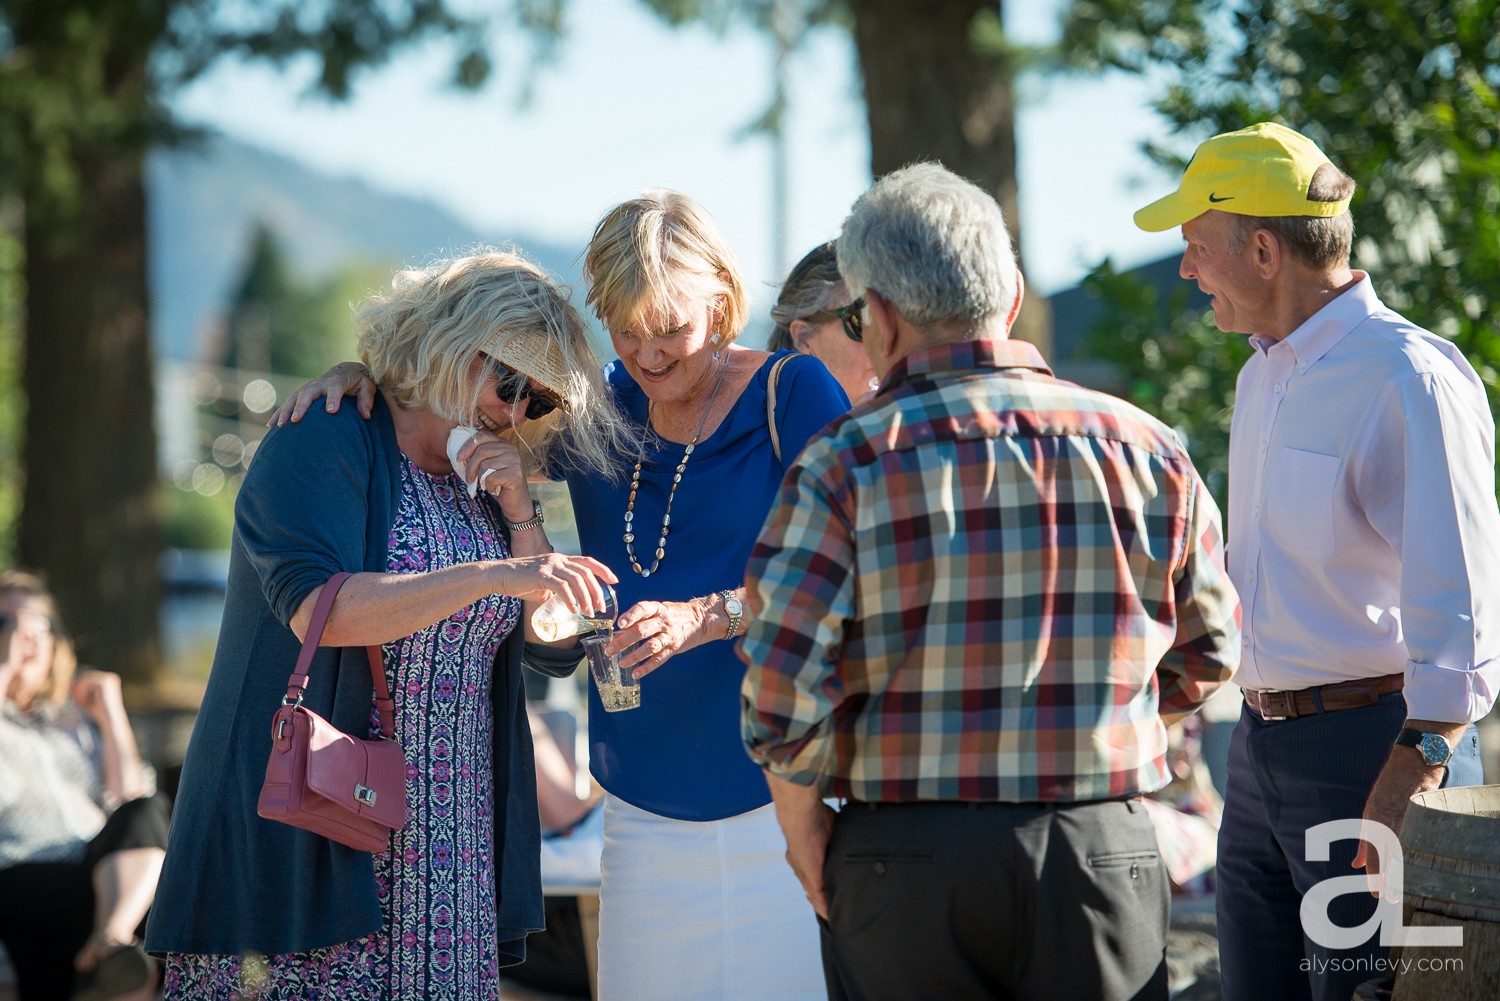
(554, 621)
(618, 690)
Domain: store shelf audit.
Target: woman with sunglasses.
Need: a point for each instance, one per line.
(81, 830)
(447, 554)
(809, 316)
(696, 899)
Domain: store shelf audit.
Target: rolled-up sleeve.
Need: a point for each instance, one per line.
(800, 590)
(1206, 650)
(302, 511)
(1430, 491)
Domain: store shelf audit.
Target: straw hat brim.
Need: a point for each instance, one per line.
(533, 353)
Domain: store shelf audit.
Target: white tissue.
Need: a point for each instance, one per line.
(457, 438)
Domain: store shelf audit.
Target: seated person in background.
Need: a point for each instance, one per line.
(572, 841)
(572, 835)
(81, 832)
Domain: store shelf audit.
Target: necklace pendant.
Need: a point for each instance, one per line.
(635, 483)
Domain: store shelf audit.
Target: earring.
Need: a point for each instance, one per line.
(717, 338)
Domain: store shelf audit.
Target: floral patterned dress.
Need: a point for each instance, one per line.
(437, 883)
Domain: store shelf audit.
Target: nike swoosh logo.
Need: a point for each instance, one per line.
(1214, 198)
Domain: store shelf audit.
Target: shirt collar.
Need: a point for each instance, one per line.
(1320, 332)
(965, 356)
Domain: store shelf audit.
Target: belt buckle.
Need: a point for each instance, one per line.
(1268, 698)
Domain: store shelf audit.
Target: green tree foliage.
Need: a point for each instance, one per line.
(1173, 363)
(282, 330)
(82, 89)
(1404, 95)
(281, 323)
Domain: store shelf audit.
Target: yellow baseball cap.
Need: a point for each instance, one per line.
(1260, 171)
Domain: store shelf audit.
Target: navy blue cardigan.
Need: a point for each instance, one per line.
(320, 497)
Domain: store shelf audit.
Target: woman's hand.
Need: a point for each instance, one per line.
(97, 694)
(347, 378)
(575, 579)
(496, 465)
(651, 632)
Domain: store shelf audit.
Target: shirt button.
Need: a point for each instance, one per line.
(1277, 387)
(1256, 511)
(1263, 446)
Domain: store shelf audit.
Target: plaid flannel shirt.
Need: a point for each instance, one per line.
(985, 584)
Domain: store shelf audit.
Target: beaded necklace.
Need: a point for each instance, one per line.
(635, 483)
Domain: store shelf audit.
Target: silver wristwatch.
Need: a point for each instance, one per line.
(535, 521)
(735, 608)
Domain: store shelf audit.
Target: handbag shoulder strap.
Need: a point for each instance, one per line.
(771, 404)
(297, 684)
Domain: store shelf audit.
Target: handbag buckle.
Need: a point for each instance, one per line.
(287, 700)
(364, 794)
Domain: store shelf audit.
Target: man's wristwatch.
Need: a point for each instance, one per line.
(1434, 748)
(535, 521)
(735, 608)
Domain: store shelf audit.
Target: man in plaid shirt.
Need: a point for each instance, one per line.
(982, 599)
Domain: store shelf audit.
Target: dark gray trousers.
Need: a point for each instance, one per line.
(953, 901)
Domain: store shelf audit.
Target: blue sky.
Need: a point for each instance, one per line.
(631, 103)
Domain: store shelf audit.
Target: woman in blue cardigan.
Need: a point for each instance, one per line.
(696, 900)
(447, 552)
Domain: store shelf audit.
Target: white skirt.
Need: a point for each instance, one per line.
(705, 911)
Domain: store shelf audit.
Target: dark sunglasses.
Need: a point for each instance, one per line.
(854, 324)
(513, 387)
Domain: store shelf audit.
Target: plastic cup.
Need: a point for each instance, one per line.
(618, 691)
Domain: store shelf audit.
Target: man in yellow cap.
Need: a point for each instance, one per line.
(1365, 543)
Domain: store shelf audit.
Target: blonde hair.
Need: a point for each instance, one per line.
(652, 249)
(420, 341)
(64, 658)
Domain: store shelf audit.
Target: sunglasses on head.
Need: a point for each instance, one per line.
(513, 387)
(854, 323)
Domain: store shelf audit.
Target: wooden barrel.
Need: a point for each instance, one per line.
(1450, 842)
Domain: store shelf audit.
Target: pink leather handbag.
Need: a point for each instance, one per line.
(321, 779)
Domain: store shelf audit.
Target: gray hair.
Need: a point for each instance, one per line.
(933, 244)
(1317, 241)
(813, 287)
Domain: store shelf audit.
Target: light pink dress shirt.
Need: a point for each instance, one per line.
(1364, 537)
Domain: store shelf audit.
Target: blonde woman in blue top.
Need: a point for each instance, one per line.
(696, 901)
(693, 903)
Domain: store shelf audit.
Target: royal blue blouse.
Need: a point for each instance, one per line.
(680, 755)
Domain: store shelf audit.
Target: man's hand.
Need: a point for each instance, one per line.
(1405, 774)
(807, 823)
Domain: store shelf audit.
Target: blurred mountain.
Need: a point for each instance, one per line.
(205, 200)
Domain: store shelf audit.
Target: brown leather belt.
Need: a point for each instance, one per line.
(1274, 704)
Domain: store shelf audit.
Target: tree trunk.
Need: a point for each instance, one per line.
(89, 515)
(930, 95)
(89, 518)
